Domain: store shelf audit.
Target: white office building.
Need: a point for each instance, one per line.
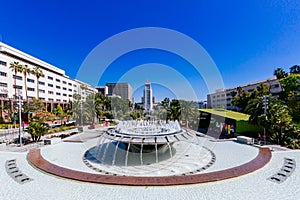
(222, 98)
(54, 88)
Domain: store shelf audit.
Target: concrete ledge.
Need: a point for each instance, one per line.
(52, 141)
(263, 157)
(2, 147)
(244, 139)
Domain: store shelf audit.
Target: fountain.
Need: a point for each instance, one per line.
(148, 153)
(148, 148)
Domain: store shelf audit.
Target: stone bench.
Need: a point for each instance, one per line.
(52, 141)
(244, 139)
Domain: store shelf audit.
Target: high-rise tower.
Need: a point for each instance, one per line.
(148, 99)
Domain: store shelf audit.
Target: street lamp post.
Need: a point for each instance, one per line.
(81, 119)
(265, 113)
(20, 119)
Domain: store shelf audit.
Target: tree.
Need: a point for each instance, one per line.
(26, 71)
(279, 119)
(189, 112)
(290, 84)
(164, 112)
(280, 73)
(263, 90)
(88, 110)
(59, 113)
(6, 108)
(15, 67)
(174, 110)
(233, 93)
(295, 69)
(38, 73)
(239, 90)
(255, 110)
(36, 130)
(34, 106)
(241, 101)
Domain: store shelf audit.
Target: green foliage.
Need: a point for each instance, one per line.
(5, 126)
(241, 100)
(295, 69)
(33, 106)
(280, 73)
(36, 130)
(189, 113)
(290, 84)
(60, 129)
(120, 107)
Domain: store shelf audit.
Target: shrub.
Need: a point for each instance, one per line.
(5, 126)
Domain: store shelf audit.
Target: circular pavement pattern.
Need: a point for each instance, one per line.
(35, 158)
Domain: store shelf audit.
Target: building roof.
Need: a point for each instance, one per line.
(227, 113)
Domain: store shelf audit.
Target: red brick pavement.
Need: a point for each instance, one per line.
(263, 157)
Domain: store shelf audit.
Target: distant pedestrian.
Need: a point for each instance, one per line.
(258, 138)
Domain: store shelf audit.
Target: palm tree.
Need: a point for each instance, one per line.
(15, 67)
(239, 90)
(38, 73)
(188, 112)
(295, 69)
(26, 71)
(254, 109)
(280, 73)
(175, 110)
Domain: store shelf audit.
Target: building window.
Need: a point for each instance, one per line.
(3, 63)
(58, 87)
(49, 99)
(57, 93)
(70, 95)
(75, 85)
(65, 101)
(50, 92)
(70, 90)
(57, 80)
(64, 82)
(43, 99)
(75, 91)
(3, 95)
(64, 95)
(274, 86)
(17, 77)
(70, 84)
(50, 85)
(41, 83)
(3, 74)
(30, 89)
(18, 86)
(64, 88)
(50, 77)
(3, 84)
(41, 91)
(30, 80)
(58, 100)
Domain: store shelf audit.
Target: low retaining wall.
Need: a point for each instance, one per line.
(263, 157)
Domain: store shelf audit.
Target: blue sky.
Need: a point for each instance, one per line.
(247, 40)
